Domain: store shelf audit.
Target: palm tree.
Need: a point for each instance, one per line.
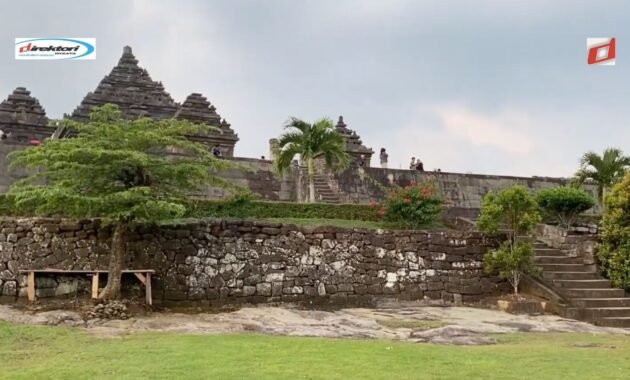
(605, 170)
(310, 141)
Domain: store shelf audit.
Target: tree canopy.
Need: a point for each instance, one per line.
(123, 171)
(605, 169)
(118, 169)
(309, 141)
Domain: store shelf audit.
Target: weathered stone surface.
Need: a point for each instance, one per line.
(217, 261)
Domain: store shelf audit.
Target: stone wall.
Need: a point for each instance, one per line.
(577, 242)
(258, 176)
(216, 262)
(461, 191)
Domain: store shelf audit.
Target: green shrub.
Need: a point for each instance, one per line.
(515, 210)
(564, 203)
(6, 205)
(412, 206)
(613, 251)
(245, 208)
(510, 262)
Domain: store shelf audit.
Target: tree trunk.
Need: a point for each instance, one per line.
(311, 181)
(515, 281)
(116, 261)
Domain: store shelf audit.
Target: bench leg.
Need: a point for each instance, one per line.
(95, 285)
(147, 288)
(30, 286)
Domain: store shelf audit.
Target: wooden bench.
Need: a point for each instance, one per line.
(144, 275)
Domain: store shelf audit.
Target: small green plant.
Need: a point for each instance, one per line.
(412, 206)
(564, 203)
(515, 211)
(613, 251)
(6, 204)
(510, 262)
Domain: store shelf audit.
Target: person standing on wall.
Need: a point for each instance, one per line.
(412, 165)
(419, 165)
(384, 157)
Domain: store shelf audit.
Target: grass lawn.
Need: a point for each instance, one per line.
(331, 222)
(345, 223)
(37, 352)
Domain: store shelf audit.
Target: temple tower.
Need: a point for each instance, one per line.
(131, 88)
(354, 146)
(197, 108)
(22, 119)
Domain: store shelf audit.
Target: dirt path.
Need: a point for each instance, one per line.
(390, 320)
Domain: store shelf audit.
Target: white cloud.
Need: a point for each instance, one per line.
(504, 131)
(455, 138)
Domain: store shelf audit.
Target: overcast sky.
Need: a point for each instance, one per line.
(496, 87)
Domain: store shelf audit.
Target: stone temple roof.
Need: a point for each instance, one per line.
(21, 109)
(197, 108)
(353, 141)
(131, 88)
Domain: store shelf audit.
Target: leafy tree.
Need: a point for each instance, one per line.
(511, 262)
(119, 170)
(613, 251)
(513, 209)
(516, 212)
(564, 203)
(308, 141)
(605, 170)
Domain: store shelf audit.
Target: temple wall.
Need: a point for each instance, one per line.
(461, 191)
(258, 176)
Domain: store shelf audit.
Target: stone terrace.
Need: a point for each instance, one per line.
(219, 262)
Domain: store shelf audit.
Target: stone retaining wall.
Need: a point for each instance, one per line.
(573, 243)
(219, 262)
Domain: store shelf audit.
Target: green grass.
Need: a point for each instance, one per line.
(37, 352)
(345, 223)
(332, 222)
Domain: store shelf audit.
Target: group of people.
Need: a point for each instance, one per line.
(416, 163)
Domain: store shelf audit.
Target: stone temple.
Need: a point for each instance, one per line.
(23, 119)
(131, 88)
(23, 122)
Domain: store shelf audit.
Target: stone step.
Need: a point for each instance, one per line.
(606, 312)
(549, 252)
(583, 284)
(592, 293)
(328, 196)
(623, 322)
(601, 302)
(557, 260)
(571, 275)
(566, 267)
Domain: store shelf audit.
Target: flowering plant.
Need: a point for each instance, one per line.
(413, 206)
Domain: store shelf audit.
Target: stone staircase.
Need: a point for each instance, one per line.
(323, 191)
(588, 296)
